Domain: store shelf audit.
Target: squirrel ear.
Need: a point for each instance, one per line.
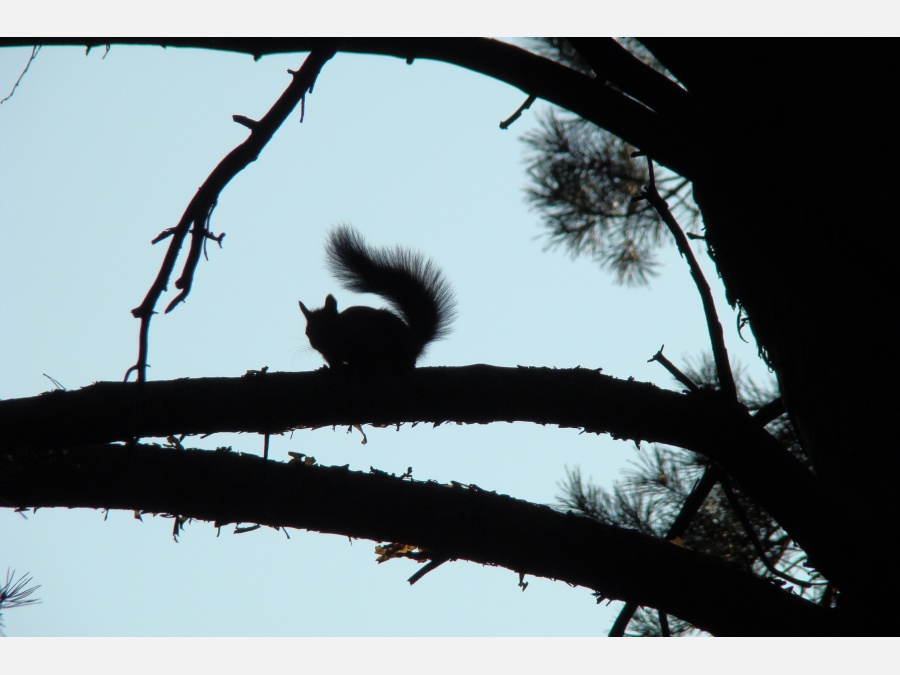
(303, 309)
(330, 303)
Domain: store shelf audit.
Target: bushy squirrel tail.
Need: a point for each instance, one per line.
(413, 285)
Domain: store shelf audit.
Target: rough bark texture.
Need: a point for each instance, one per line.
(456, 522)
(579, 398)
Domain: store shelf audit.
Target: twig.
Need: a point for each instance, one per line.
(196, 216)
(34, 53)
(716, 334)
(429, 566)
(55, 383)
(245, 121)
(677, 374)
(505, 124)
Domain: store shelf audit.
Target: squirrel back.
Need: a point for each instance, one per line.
(378, 339)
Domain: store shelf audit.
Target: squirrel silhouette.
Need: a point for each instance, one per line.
(369, 339)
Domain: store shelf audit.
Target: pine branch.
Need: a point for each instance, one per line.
(716, 334)
(579, 398)
(534, 75)
(442, 522)
(615, 64)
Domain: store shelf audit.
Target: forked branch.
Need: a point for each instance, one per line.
(195, 219)
(716, 334)
(579, 398)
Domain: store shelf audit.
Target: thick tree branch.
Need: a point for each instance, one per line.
(579, 398)
(455, 522)
(615, 64)
(535, 75)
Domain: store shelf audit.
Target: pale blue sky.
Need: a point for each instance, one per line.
(98, 155)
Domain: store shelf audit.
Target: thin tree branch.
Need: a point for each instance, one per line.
(197, 214)
(677, 529)
(754, 540)
(673, 370)
(716, 334)
(477, 525)
(430, 566)
(505, 124)
(34, 52)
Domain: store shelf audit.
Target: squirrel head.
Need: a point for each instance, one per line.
(330, 307)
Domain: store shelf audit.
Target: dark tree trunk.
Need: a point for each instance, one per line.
(799, 228)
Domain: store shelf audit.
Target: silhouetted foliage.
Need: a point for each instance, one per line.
(585, 182)
(16, 593)
(658, 484)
